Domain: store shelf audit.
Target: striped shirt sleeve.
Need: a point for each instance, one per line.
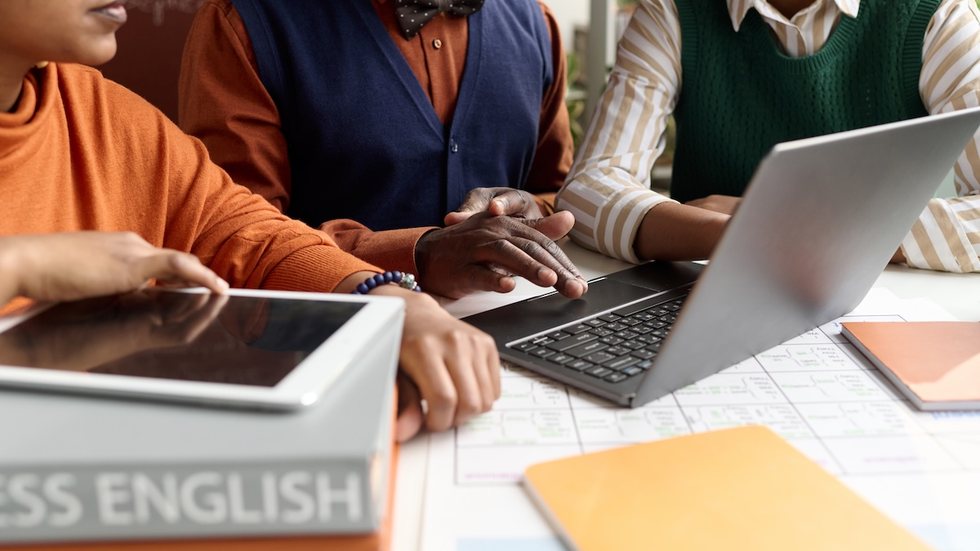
(947, 234)
(608, 189)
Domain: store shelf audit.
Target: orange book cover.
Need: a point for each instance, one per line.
(936, 364)
(743, 488)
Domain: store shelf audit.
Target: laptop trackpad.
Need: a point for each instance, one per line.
(533, 315)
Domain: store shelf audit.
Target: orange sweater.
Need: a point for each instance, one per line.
(83, 153)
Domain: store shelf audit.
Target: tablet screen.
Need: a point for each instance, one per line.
(192, 337)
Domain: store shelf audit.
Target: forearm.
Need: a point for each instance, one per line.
(671, 231)
(391, 250)
(224, 103)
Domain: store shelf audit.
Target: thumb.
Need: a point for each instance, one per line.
(477, 200)
(457, 217)
(555, 226)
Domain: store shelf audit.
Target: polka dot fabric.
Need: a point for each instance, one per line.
(414, 14)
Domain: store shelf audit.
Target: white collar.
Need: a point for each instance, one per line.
(738, 9)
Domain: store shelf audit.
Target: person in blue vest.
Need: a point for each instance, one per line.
(377, 120)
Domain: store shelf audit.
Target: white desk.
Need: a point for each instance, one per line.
(958, 294)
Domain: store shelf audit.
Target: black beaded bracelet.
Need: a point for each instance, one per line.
(405, 281)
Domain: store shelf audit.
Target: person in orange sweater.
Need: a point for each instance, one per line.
(79, 152)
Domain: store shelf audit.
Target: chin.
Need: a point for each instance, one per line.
(98, 54)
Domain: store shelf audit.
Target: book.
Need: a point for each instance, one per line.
(376, 541)
(936, 364)
(742, 488)
(76, 468)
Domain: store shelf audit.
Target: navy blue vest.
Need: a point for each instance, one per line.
(364, 140)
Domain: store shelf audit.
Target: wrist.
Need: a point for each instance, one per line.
(362, 283)
(352, 281)
(422, 251)
(672, 231)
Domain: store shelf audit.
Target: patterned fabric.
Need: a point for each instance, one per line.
(727, 123)
(414, 14)
(609, 187)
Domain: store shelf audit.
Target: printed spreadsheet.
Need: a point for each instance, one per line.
(816, 391)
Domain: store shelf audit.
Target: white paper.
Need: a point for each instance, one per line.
(922, 469)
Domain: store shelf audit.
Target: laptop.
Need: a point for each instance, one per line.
(819, 221)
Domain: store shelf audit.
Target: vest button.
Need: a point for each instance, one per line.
(454, 147)
(437, 44)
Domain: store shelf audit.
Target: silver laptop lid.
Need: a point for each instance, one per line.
(818, 223)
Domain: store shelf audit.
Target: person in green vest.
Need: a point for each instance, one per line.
(740, 76)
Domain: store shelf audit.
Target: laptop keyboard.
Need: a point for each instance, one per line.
(611, 347)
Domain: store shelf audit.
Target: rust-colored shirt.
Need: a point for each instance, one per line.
(80, 152)
(223, 102)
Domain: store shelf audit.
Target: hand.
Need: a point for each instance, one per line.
(454, 366)
(481, 253)
(498, 201)
(724, 204)
(71, 266)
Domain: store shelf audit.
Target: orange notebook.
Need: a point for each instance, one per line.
(743, 488)
(936, 364)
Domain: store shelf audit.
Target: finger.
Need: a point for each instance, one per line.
(531, 229)
(485, 278)
(489, 389)
(410, 419)
(430, 374)
(546, 252)
(477, 200)
(568, 283)
(512, 259)
(511, 203)
(462, 362)
(178, 266)
(454, 218)
(555, 226)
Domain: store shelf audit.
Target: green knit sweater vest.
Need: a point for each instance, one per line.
(741, 95)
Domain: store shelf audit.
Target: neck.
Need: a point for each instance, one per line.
(11, 81)
(789, 8)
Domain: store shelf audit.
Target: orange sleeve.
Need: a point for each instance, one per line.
(235, 232)
(553, 157)
(223, 102)
(392, 250)
(240, 235)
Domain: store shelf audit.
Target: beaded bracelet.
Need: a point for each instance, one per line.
(405, 281)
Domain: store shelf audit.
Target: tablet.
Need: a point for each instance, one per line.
(267, 349)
